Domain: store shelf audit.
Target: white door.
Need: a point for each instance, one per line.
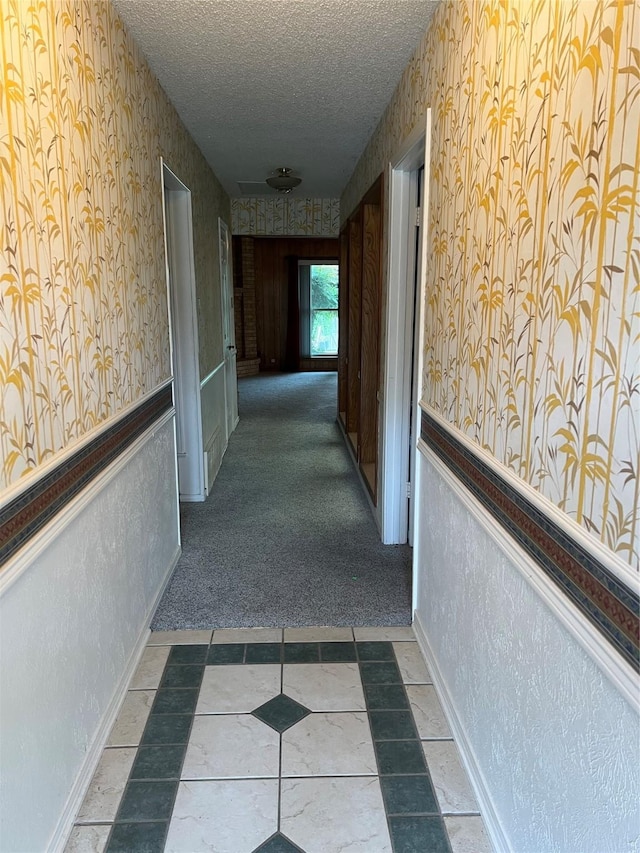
(228, 329)
(184, 336)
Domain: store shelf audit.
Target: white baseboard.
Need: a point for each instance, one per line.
(63, 829)
(213, 456)
(374, 510)
(489, 816)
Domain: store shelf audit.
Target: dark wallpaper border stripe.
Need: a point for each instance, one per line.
(600, 596)
(23, 517)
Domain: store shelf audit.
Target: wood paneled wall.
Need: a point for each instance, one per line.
(276, 319)
(360, 331)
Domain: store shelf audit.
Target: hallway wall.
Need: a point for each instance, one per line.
(534, 249)
(85, 318)
(545, 731)
(72, 620)
(260, 216)
(84, 356)
(530, 362)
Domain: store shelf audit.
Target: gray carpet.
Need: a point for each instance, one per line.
(286, 537)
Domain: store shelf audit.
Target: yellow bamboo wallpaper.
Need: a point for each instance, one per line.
(83, 313)
(286, 217)
(533, 283)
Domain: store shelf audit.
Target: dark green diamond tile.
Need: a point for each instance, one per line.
(263, 653)
(337, 652)
(301, 652)
(380, 673)
(281, 712)
(167, 728)
(400, 756)
(418, 835)
(187, 654)
(147, 801)
(375, 651)
(408, 795)
(385, 697)
(182, 676)
(175, 701)
(137, 838)
(226, 653)
(158, 762)
(277, 844)
(392, 725)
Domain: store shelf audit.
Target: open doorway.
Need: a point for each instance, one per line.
(183, 329)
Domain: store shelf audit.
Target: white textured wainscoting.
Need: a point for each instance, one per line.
(212, 402)
(551, 743)
(72, 622)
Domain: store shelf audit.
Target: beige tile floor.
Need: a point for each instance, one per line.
(368, 765)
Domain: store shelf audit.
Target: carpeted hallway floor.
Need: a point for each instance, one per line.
(286, 537)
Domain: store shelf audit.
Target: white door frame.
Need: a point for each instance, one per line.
(183, 334)
(228, 328)
(400, 330)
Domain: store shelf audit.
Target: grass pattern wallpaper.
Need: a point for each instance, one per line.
(83, 307)
(286, 217)
(532, 325)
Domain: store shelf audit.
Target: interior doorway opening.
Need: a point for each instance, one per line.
(183, 332)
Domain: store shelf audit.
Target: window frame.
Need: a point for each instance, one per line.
(305, 307)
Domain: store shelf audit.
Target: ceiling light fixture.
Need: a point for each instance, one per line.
(283, 181)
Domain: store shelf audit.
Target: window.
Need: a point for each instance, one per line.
(323, 310)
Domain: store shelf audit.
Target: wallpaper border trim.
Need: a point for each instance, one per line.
(28, 513)
(598, 594)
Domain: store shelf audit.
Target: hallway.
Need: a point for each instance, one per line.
(516, 362)
(253, 739)
(286, 536)
(311, 740)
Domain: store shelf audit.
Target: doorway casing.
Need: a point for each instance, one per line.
(228, 329)
(183, 335)
(403, 334)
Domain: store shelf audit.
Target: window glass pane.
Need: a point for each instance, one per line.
(324, 286)
(324, 332)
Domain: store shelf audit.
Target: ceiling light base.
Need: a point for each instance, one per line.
(283, 181)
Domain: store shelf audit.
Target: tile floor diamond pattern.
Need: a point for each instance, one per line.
(278, 844)
(312, 740)
(281, 712)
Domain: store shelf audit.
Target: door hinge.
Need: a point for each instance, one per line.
(418, 211)
(408, 485)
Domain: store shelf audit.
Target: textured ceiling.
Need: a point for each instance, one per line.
(268, 83)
